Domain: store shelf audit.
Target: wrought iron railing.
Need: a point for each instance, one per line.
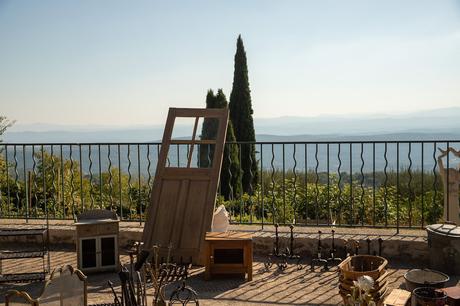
(346, 183)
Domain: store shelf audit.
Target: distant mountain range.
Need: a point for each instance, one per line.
(438, 124)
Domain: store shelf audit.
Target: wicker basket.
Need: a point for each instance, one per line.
(348, 283)
(355, 266)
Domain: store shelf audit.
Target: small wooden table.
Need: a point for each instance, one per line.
(228, 253)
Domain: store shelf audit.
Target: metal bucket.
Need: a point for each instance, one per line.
(425, 278)
(428, 296)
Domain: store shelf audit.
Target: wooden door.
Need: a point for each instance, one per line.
(183, 196)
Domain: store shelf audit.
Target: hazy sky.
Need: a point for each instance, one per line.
(125, 62)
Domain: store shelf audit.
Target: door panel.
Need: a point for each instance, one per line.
(88, 252)
(184, 194)
(108, 246)
(195, 210)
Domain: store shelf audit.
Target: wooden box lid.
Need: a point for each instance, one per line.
(397, 297)
(219, 236)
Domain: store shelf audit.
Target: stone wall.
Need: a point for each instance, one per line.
(400, 247)
(395, 248)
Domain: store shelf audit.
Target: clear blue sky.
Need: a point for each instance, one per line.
(125, 62)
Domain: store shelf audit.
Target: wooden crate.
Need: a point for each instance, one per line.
(373, 266)
(356, 266)
(397, 297)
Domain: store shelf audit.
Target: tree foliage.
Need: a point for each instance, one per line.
(314, 201)
(4, 125)
(241, 116)
(230, 176)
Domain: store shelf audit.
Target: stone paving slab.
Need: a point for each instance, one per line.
(272, 287)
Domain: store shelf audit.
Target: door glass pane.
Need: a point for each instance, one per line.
(88, 253)
(207, 128)
(183, 128)
(108, 251)
(178, 155)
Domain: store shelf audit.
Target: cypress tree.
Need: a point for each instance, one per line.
(241, 117)
(230, 175)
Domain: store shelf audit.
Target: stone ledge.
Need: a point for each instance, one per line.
(407, 245)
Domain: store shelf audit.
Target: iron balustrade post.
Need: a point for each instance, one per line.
(435, 187)
(44, 183)
(284, 185)
(177, 155)
(409, 183)
(34, 179)
(239, 197)
(258, 184)
(373, 184)
(306, 183)
(82, 197)
(7, 171)
(149, 174)
(139, 182)
(447, 183)
(53, 176)
(316, 185)
(385, 185)
(294, 183)
(329, 219)
(101, 202)
(339, 181)
(262, 189)
(109, 170)
(423, 185)
(230, 185)
(361, 183)
(91, 195)
(62, 179)
(251, 177)
(16, 180)
(352, 216)
(72, 187)
(120, 201)
(398, 189)
(130, 187)
(2, 214)
(274, 212)
(26, 185)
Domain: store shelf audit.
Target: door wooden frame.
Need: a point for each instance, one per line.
(177, 182)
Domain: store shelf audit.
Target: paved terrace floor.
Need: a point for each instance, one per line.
(272, 287)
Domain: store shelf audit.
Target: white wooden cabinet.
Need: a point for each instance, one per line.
(97, 241)
(98, 253)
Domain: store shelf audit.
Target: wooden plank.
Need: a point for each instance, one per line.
(397, 297)
(188, 142)
(193, 215)
(198, 112)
